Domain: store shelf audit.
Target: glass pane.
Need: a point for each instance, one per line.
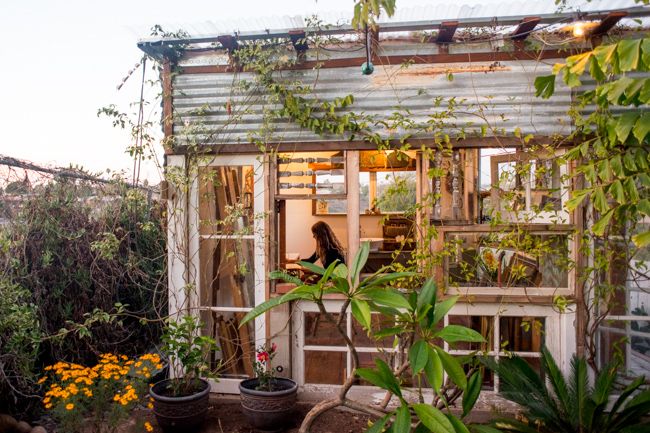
(236, 345)
(395, 191)
(361, 339)
(325, 367)
(484, 325)
(226, 197)
(507, 259)
(227, 272)
(521, 334)
(321, 332)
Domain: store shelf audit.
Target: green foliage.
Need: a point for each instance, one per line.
(417, 316)
(186, 349)
(19, 342)
(570, 404)
(367, 11)
(613, 142)
(80, 279)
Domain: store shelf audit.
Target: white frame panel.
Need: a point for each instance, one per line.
(231, 385)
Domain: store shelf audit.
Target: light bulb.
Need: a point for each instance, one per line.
(578, 30)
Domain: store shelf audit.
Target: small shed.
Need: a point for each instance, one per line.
(444, 136)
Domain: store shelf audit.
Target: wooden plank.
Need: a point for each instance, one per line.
(608, 22)
(352, 190)
(446, 32)
(503, 56)
(340, 145)
(167, 101)
(524, 28)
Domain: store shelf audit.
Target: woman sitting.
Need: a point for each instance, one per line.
(328, 247)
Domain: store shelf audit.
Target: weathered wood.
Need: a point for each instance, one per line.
(352, 182)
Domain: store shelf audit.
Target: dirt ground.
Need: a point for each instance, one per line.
(225, 417)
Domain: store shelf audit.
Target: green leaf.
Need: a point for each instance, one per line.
(616, 191)
(641, 239)
(604, 171)
(604, 53)
(644, 94)
(341, 271)
(359, 261)
(624, 125)
(645, 50)
(578, 197)
(378, 426)
(433, 419)
(628, 161)
(388, 332)
(599, 227)
(270, 304)
(453, 368)
(386, 296)
(595, 70)
(628, 54)
(545, 86)
(643, 206)
(402, 420)
(282, 275)
(427, 295)
(361, 312)
(459, 427)
(642, 127)
(630, 190)
(312, 267)
(616, 165)
(389, 377)
(455, 333)
(472, 392)
(373, 377)
(418, 356)
(599, 200)
(434, 370)
(578, 63)
(442, 308)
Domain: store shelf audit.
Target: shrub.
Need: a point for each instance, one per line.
(102, 396)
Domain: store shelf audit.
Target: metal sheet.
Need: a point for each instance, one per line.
(502, 94)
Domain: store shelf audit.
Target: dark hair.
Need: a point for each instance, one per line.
(325, 240)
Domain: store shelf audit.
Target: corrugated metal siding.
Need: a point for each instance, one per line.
(507, 92)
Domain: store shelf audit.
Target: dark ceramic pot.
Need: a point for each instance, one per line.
(268, 411)
(180, 414)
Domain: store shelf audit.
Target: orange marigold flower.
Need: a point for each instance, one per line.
(69, 406)
(148, 426)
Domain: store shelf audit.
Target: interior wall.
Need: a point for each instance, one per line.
(300, 220)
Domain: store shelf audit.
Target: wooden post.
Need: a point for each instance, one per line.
(352, 187)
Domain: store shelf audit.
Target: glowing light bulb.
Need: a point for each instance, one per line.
(578, 30)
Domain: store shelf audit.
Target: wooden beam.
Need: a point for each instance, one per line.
(168, 112)
(608, 22)
(446, 32)
(299, 42)
(524, 28)
(228, 42)
(352, 190)
(503, 56)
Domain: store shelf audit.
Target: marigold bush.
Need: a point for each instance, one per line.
(102, 396)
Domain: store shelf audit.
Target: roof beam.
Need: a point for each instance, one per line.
(228, 42)
(446, 32)
(524, 28)
(299, 42)
(608, 22)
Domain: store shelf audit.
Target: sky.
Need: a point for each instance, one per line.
(62, 61)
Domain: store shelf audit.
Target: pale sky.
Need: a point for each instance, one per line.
(62, 60)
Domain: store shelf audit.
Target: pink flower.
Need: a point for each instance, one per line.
(274, 347)
(263, 357)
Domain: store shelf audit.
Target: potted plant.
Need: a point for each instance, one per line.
(181, 402)
(267, 401)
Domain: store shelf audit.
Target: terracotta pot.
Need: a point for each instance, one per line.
(268, 410)
(180, 414)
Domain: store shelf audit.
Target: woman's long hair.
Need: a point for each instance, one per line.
(325, 240)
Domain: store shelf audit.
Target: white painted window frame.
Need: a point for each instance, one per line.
(231, 385)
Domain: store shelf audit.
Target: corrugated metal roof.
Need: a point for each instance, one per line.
(506, 91)
(488, 12)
